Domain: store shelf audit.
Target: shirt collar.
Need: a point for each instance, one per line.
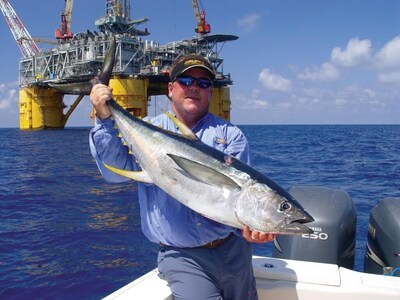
(200, 122)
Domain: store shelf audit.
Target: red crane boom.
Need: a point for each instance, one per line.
(64, 32)
(202, 27)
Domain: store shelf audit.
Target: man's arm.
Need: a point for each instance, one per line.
(105, 145)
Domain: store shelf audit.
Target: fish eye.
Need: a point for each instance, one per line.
(285, 206)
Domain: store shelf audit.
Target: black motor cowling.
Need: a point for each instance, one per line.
(333, 240)
(383, 244)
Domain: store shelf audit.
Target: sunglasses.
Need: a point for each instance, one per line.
(201, 82)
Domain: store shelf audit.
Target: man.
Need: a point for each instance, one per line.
(199, 258)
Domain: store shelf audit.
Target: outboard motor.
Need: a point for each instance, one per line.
(383, 244)
(333, 240)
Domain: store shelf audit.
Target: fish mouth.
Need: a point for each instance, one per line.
(305, 219)
(297, 226)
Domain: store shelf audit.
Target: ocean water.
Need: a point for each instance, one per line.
(65, 233)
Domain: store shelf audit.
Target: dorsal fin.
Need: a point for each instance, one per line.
(186, 131)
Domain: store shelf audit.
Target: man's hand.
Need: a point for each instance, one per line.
(257, 236)
(99, 96)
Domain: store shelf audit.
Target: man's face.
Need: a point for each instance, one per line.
(190, 101)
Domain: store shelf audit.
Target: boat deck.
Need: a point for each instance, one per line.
(285, 279)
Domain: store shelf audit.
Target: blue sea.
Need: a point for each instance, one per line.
(65, 233)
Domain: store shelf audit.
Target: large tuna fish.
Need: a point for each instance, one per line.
(206, 180)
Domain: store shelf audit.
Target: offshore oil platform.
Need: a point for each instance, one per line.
(140, 70)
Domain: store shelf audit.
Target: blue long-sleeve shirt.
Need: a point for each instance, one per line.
(164, 219)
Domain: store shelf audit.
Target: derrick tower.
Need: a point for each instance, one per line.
(140, 69)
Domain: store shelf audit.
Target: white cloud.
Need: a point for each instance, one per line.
(2, 87)
(357, 52)
(359, 97)
(388, 57)
(389, 77)
(326, 72)
(370, 93)
(251, 102)
(256, 103)
(284, 105)
(385, 62)
(8, 95)
(273, 81)
(250, 22)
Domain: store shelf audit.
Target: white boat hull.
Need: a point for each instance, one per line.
(284, 279)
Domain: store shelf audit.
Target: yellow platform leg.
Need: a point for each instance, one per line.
(41, 108)
(131, 94)
(220, 103)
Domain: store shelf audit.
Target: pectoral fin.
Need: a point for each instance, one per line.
(141, 176)
(203, 173)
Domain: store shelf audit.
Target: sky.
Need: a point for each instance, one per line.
(295, 62)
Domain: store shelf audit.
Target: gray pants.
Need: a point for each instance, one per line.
(225, 272)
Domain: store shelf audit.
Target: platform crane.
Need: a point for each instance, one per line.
(202, 27)
(118, 8)
(118, 21)
(64, 32)
(26, 44)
